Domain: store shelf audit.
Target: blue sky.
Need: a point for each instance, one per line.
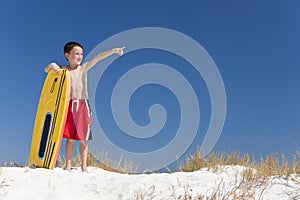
(254, 44)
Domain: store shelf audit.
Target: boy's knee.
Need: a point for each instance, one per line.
(84, 143)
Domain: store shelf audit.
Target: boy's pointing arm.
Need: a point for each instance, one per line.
(104, 55)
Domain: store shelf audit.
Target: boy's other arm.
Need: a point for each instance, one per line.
(52, 66)
(102, 56)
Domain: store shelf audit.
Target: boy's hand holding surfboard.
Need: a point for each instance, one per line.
(52, 66)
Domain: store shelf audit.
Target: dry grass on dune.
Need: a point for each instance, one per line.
(255, 178)
(272, 165)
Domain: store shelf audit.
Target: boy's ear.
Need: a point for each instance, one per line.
(67, 56)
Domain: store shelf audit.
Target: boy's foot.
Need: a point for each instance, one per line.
(68, 169)
(84, 169)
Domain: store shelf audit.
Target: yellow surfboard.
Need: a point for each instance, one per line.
(50, 120)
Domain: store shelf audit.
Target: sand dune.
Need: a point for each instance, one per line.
(226, 182)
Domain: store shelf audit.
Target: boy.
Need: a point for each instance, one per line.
(79, 115)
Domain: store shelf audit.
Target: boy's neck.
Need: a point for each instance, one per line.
(73, 67)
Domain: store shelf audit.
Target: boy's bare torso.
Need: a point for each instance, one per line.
(78, 82)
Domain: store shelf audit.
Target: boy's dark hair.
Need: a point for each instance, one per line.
(70, 45)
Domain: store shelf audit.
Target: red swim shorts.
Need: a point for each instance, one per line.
(78, 122)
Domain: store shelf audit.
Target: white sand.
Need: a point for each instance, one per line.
(42, 184)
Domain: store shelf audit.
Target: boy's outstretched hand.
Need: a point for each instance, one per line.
(119, 51)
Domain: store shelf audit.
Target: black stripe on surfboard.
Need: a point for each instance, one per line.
(49, 151)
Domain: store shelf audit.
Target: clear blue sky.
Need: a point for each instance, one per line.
(255, 45)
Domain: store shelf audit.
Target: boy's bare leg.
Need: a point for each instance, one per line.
(84, 155)
(69, 153)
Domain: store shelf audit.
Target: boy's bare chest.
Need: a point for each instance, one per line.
(78, 84)
(76, 76)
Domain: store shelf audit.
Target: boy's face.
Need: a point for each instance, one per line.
(75, 56)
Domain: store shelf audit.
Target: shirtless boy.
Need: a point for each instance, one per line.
(79, 114)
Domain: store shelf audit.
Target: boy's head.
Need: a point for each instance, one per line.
(73, 52)
(69, 46)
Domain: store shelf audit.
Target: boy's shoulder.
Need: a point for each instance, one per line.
(64, 67)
